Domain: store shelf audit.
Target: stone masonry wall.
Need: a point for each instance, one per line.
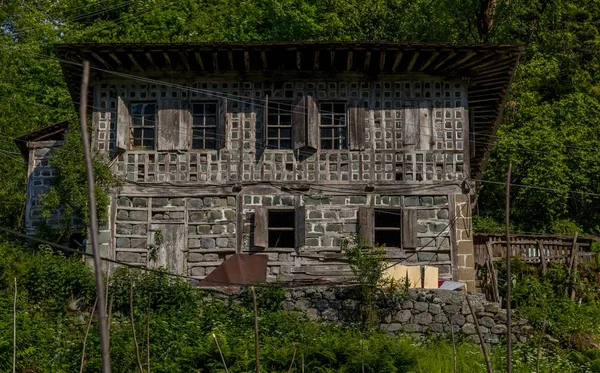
(423, 313)
(465, 262)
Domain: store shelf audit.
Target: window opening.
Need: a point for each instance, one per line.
(204, 125)
(281, 228)
(143, 125)
(279, 125)
(333, 126)
(388, 225)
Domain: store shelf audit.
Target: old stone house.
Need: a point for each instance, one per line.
(285, 149)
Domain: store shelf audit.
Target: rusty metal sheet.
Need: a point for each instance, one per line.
(238, 269)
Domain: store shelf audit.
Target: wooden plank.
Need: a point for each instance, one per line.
(429, 61)
(123, 125)
(365, 224)
(349, 61)
(397, 61)
(171, 253)
(356, 124)
(222, 125)
(382, 61)
(261, 227)
(411, 128)
(426, 131)
(246, 60)
(149, 58)
(409, 229)
(413, 60)
(312, 123)
(542, 251)
(367, 61)
(134, 62)
(199, 60)
(299, 123)
(185, 61)
(171, 134)
(300, 226)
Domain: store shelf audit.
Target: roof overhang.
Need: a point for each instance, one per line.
(54, 132)
(488, 69)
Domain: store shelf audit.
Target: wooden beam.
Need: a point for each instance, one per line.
(316, 61)
(298, 60)
(434, 55)
(467, 57)
(134, 62)
(413, 61)
(246, 60)
(382, 61)
(478, 60)
(149, 58)
(493, 61)
(332, 59)
(230, 59)
(116, 59)
(96, 56)
(167, 60)
(349, 61)
(263, 57)
(451, 55)
(215, 58)
(185, 61)
(367, 61)
(397, 61)
(199, 60)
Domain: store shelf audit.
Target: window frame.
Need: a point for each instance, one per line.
(204, 128)
(279, 126)
(291, 229)
(399, 213)
(143, 127)
(343, 141)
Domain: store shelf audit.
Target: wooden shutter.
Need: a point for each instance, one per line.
(261, 227)
(356, 124)
(222, 124)
(409, 229)
(411, 127)
(312, 123)
(170, 134)
(426, 141)
(300, 226)
(365, 223)
(123, 125)
(299, 123)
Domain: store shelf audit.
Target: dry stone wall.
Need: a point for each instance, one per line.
(422, 313)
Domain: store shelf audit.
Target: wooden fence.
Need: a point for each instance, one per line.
(538, 249)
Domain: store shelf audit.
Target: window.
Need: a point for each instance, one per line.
(281, 228)
(333, 125)
(143, 125)
(279, 125)
(204, 125)
(388, 228)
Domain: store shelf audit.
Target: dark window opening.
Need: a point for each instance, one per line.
(279, 125)
(281, 228)
(143, 125)
(204, 125)
(333, 125)
(388, 228)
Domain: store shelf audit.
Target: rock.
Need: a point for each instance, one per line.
(407, 304)
(458, 319)
(436, 328)
(434, 309)
(421, 306)
(402, 316)
(492, 308)
(391, 328)
(303, 304)
(412, 328)
(487, 322)
(469, 329)
(312, 314)
(288, 305)
(74, 305)
(451, 308)
(322, 304)
(329, 314)
(498, 329)
(424, 318)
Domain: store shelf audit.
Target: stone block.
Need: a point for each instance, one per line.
(461, 198)
(124, 228)
(176, 215)
(487, 321)
(220, 202)
(436, 328)
(425, 256)
(218, 229)
(441, 318)
(407, 305)
(193, 243)
(123, 242)
(457, 319)
(391, 328)
(216, 215)
(443, 214)
(140, 202)
(434, 309)
(465, 247)
(195, 257)
(128, 257)
(211, 257)
(424, 318)
(139, 229)
(422, 228)
(426, 214)
(203, 229)
(198, 216)
(124, 201)
(358, 200)
(330, 214)
(198, 271)
(208, 201)
(230, 215)
(437, 227)
(413, 328)
(123, 214)
(402, 316)
(469, 329)
(426, 201)
(421, 306)
(222, 242)
(333, 227)
(411, 201)
(207, 243)
(440, 200)
(466, 274)
(160, 202)
(195, 203)
(139, 243)
(138, 215)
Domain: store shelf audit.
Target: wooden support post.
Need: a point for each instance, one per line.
(508, 276)
(542, 256)
(493, 275)
(135, 341)
(87, 332)
(104, 341)
(14, 367)
(480, 335)
(221, 353)
(256, 346)
(573, 265)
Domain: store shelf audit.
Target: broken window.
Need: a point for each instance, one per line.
(388, 227)
(279, 125)
(281, 228)
(143, 125)
(333, 125)
(204, 125)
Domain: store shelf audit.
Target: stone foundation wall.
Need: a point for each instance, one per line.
(423, 313)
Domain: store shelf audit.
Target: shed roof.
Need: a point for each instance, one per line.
(487, 68)
(54, 131)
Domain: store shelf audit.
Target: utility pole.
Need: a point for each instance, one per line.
(508, 275)
(104, 339)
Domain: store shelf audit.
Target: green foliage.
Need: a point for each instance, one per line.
(68, 194)
(155, 246)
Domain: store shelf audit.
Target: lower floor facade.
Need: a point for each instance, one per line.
(192, 230)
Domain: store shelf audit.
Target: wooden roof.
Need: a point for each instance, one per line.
(52, 132)
(488, 68)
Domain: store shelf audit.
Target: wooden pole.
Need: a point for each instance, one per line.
(14, 367)
(148, 336)
(542, 256)
(135, 341)
(104, 339)
(508, 275)
(292, 363)
(453, 346)
(488, 363)
(256, 346)
(87, 332)
(221, 353)
(573, 266)
(362, 356)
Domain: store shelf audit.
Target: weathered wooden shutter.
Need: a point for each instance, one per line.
(299, 123)
(300, 226)
(170, 132)
(356, 125)
(365, 223)
(411, 127)
(409, 229)
(261, 227)
(312, 123)
(123, 125)
(426, 132)
(222, 124)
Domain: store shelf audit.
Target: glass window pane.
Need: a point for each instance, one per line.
(285, 133)
(326, 120)
(326, 144)
(210, 143)
(210, 121)
(149, 133)
(198, 109)
(339, 108)
(136, 109)
(272, 132)
(211, 109)
(285, 119)
(286, 144)
(136, 121)
(150, 109)
(148, 144)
